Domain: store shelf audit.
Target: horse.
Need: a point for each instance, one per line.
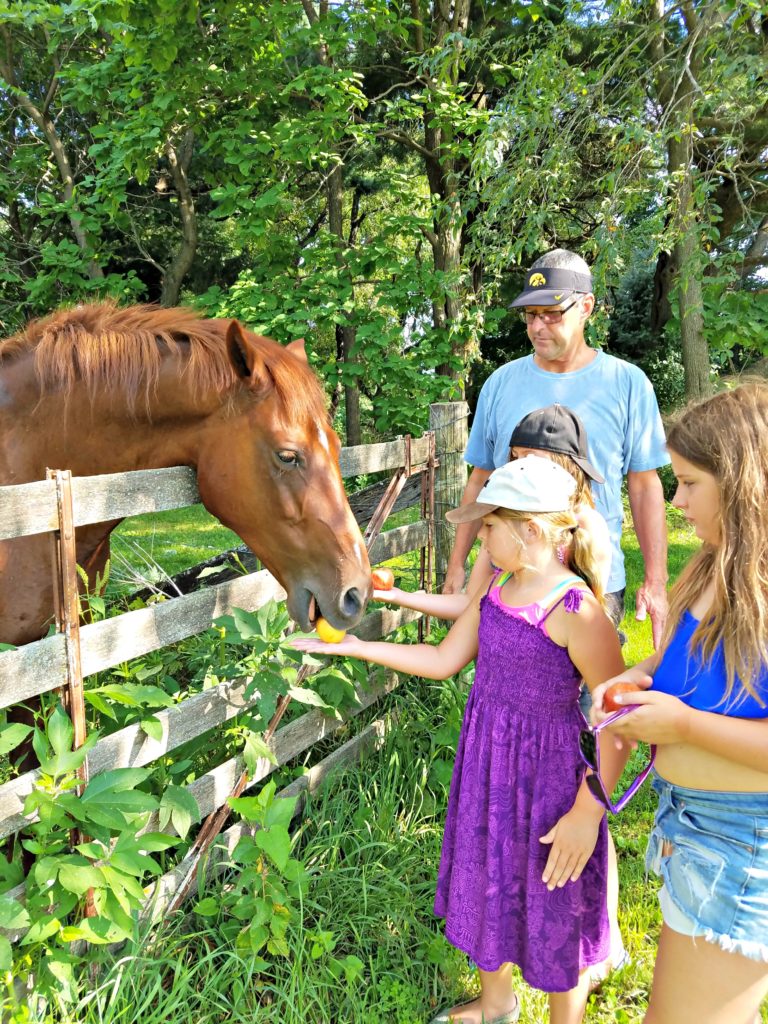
(106, 389)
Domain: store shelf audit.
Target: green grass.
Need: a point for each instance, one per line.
(148, 548)
(372, 840)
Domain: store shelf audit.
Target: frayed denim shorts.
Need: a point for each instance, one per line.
(715, 866)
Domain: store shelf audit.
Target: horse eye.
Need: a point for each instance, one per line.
(288, 457)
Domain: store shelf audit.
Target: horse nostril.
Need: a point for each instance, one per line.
(352, 603)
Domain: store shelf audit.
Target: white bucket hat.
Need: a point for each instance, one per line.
(531, 484)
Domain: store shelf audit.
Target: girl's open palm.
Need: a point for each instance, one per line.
(394, 595)
(350, 646)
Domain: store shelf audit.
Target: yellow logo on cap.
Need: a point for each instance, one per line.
(536, 280)
(557, 297)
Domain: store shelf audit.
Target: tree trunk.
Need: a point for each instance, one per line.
(686, 266)
(695, 351)
(345, 333)
(687, 261)
(47, 127)
(173, 278)
(40, 117)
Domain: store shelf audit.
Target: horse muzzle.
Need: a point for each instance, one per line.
(343, 609)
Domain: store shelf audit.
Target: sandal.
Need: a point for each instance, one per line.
(446, 1016)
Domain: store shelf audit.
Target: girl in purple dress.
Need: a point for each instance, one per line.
(522, 877)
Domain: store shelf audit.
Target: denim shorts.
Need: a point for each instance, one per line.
(716, 875)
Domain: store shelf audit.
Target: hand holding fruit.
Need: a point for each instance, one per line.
(654, 717)
(618, 690)
(329, 640)
(384, 588)
(382, 579)
(617, 693)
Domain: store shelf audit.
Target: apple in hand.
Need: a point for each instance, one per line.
(609, 697)
(382, 579)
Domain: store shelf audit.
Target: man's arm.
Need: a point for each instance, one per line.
(646, 500)
(465, 535)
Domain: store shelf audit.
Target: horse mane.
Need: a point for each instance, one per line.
(120, 349)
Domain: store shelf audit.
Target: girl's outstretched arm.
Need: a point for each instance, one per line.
(439, 661)
(442, 606)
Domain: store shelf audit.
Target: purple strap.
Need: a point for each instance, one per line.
(571, 601)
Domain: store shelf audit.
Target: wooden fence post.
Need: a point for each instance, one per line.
(449, 422)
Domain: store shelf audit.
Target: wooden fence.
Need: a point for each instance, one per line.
(50, 664)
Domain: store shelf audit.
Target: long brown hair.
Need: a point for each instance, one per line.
(562, 528)
(727, 436)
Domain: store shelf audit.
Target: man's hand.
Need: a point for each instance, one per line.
(465, 535)
(646, 501)
(651, 599)
(454, 580)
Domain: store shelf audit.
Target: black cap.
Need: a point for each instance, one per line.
(549, 286)
(556, 429)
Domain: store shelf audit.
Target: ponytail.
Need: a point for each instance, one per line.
(581, 558)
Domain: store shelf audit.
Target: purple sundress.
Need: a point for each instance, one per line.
(517, 772)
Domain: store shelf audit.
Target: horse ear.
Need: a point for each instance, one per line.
(242, 354)
(297, 349)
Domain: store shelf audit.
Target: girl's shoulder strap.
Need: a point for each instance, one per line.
(498, 579)
(572, 595)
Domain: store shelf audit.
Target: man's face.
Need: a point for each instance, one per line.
(557, 343)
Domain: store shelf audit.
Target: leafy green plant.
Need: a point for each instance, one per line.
(91, 857)
(256, 908)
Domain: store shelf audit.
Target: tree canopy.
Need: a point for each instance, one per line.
(375, 176)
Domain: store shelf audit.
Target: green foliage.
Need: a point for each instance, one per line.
(257, 909)
(359, 172)
(87, 891)
(631, 337)
(735, 321)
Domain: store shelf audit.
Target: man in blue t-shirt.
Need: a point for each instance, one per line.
(617, 404)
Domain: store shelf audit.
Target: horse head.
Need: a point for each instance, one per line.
(268, 468)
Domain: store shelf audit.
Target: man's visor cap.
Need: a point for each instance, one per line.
(551, 286)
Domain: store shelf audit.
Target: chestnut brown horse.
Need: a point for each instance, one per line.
(102, 389)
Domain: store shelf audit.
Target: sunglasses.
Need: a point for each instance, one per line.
(589, 748)
(547, 316)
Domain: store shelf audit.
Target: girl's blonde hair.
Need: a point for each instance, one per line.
(583, 493)
(562, 528)
(727, 436)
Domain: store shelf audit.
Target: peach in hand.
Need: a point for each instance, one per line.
(383, 579)
(328, 633)
(609, 697)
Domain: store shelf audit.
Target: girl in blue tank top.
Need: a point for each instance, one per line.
(703, 700)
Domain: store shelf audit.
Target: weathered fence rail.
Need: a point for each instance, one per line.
(43, 666)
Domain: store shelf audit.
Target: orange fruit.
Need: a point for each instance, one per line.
(609, 704)
(383, 579)
(328, 633)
